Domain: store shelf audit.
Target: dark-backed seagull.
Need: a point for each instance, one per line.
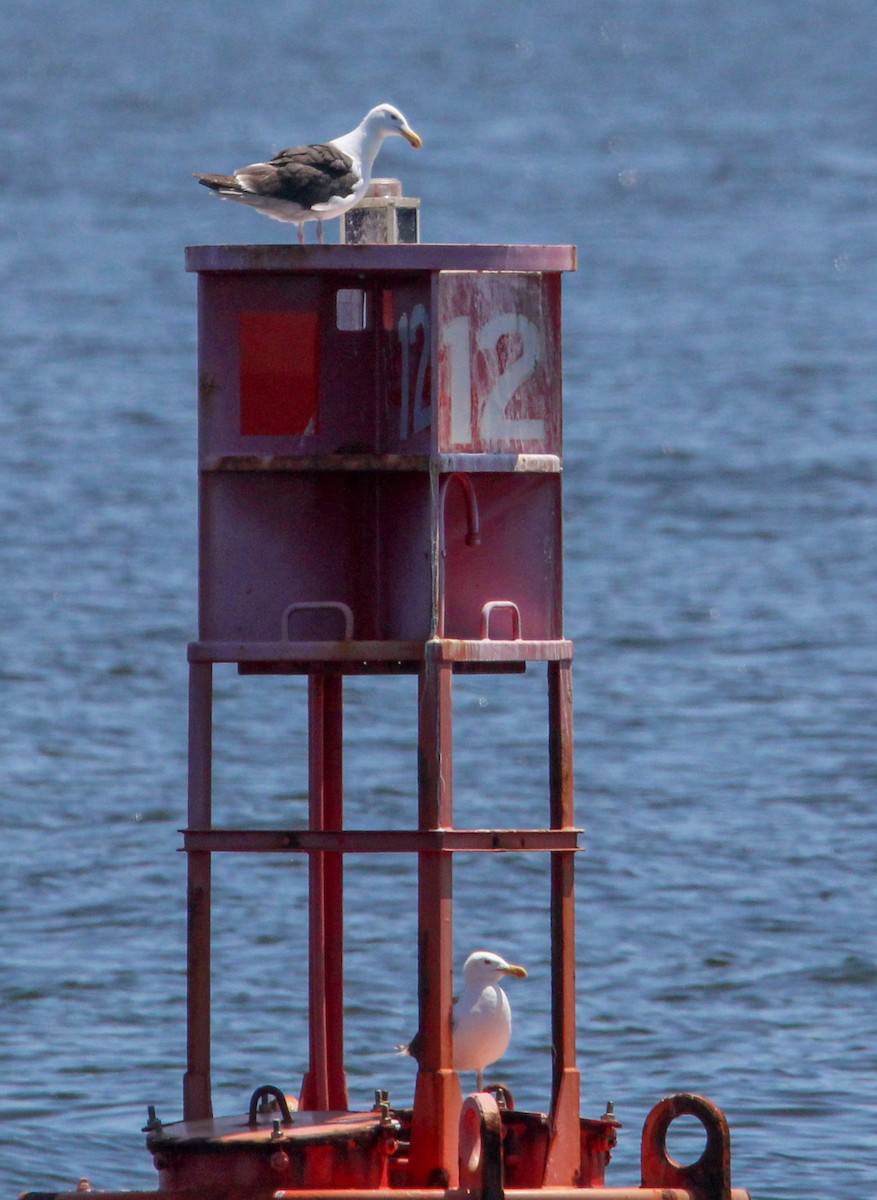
(315, 183)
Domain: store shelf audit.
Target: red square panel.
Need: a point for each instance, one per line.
(279, 362)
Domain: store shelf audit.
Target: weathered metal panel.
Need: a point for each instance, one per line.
(497, 345)
(514, 559)
(271, 540)
(405, 390)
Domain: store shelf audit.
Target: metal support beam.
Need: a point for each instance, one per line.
(564, 1154)
(437, 1096)
(197, 1103)
(325, 1088)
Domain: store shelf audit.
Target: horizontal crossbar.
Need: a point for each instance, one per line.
(357, 653)
(380, 841)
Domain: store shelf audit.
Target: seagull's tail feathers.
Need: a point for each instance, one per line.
(412, 1050)
(218, 183)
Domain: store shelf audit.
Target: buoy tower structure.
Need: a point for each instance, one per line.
(380, 491)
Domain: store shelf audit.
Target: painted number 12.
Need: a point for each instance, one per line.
(415, 414)
(487, 420)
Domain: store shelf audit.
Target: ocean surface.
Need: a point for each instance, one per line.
(716, 166)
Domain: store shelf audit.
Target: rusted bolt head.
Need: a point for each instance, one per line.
(279, 1162)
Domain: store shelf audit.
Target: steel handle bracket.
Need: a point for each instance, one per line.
(317, 606)
(263, 1093)
(710, 1176)
(493, 606)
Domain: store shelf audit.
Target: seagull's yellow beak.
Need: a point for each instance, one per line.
(518, 972)
(410, 136)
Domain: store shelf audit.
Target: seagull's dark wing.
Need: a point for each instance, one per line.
(305, 175)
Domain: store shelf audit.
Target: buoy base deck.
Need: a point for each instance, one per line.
(503, 1152)
(361, 1153)
(564, 1193)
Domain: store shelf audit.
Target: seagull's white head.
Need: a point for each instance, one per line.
(385, 120)
(483, 967)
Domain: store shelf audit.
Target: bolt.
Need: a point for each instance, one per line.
(382, 1105)
(153, 1125)
(276, 1130)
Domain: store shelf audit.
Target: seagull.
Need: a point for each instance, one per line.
(482, 1019)
(318, 182)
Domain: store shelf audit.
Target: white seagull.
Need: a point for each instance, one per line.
(318, 182)
(482, 1019)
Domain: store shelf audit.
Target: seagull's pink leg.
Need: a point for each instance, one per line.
(301, 232)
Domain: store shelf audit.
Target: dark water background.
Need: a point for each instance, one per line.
(717, 167)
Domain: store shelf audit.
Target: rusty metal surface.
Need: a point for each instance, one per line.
(454, 372)
(381, 841)
(389, 500)
(481, 1147)
(325, 1084)
(311, 654)
(425, 256)
(459, 364)
(710, 1176)
(497, 386)
(599, 1138)
(274, 1145)
(404, 565)
(437, 1095)
(444, 463)
(197, 1101)
(305, 1126)
(400, 1193)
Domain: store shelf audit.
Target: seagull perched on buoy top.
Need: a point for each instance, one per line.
(317, 182)
(482, 1019)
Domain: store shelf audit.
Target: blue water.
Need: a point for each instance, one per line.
(717, 167)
